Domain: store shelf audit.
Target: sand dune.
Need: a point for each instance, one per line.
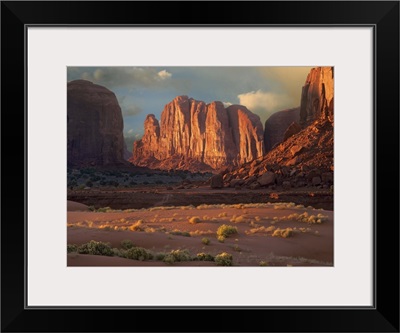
(310, 244)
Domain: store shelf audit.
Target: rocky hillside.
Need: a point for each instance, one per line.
(277, 124)
(305, 157)
(196, 136)
(94, 125)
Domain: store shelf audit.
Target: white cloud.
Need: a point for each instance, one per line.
(164, 75)
(130, 131)
(114, 77)
(264, 103)
(226, 104)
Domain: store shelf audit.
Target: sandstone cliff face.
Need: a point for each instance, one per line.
(94, 125)
(317, 96)
(277, 124)
(196, 136)
(304, 154)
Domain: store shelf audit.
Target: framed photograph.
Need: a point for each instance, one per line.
(237, 161)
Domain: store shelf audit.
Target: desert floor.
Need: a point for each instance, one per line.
(164, 229)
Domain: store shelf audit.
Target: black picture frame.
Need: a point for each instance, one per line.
(383, 316)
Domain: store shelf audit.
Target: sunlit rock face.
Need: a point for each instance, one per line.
(196, 136)
(317, 96)
(94, 125)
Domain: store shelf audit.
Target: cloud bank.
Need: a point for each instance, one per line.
(264, 103)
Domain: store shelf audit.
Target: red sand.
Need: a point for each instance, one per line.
(314, 246)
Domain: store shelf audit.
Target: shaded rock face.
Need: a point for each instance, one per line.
(196, 136)
(276, 126)
(317, 96)
(293, 129)
(94, 125)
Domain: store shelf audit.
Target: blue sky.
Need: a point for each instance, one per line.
(144, 90)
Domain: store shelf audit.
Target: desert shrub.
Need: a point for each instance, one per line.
(238, 219)
(179, 233)
(262, 263)
(204, 257)
(284, 205)
(126, 244)
(285, 233)
(104, 210)
(160, 256)
(137, 226)
(221, 239)
(107, 227)
(176, 256)
(119, 252)
(72, 248)
(223, 214)
(260, 230)
(96, 248)
(201, 232)
(138, 253)
(194, 220)
(205, 241)
(224, 259)
(226, 230)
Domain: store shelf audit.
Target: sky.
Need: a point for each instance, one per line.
(144, 90)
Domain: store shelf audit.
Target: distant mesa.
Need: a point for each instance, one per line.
(94, 125)
(196, 136)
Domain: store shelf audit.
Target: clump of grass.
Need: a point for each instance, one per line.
(150, 230)
(72, 248)
(194, 220)
(284, 233)
(226, 230)
(104, 210)
(96, 248)
(284, 205)
(187, 207)
(204, 257)
(221, 239)
(224, 259)
(201, 232)
(260, 230)
(223, 214)
(86, 224)
(127, 244)
(257, 218)
(238, 219)
(176, 256)
(254, 225)
(177, 232)
(106, 227)
(262, 263)
(137, 226)
(205, 241)
(238, 206)
(138, 253)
